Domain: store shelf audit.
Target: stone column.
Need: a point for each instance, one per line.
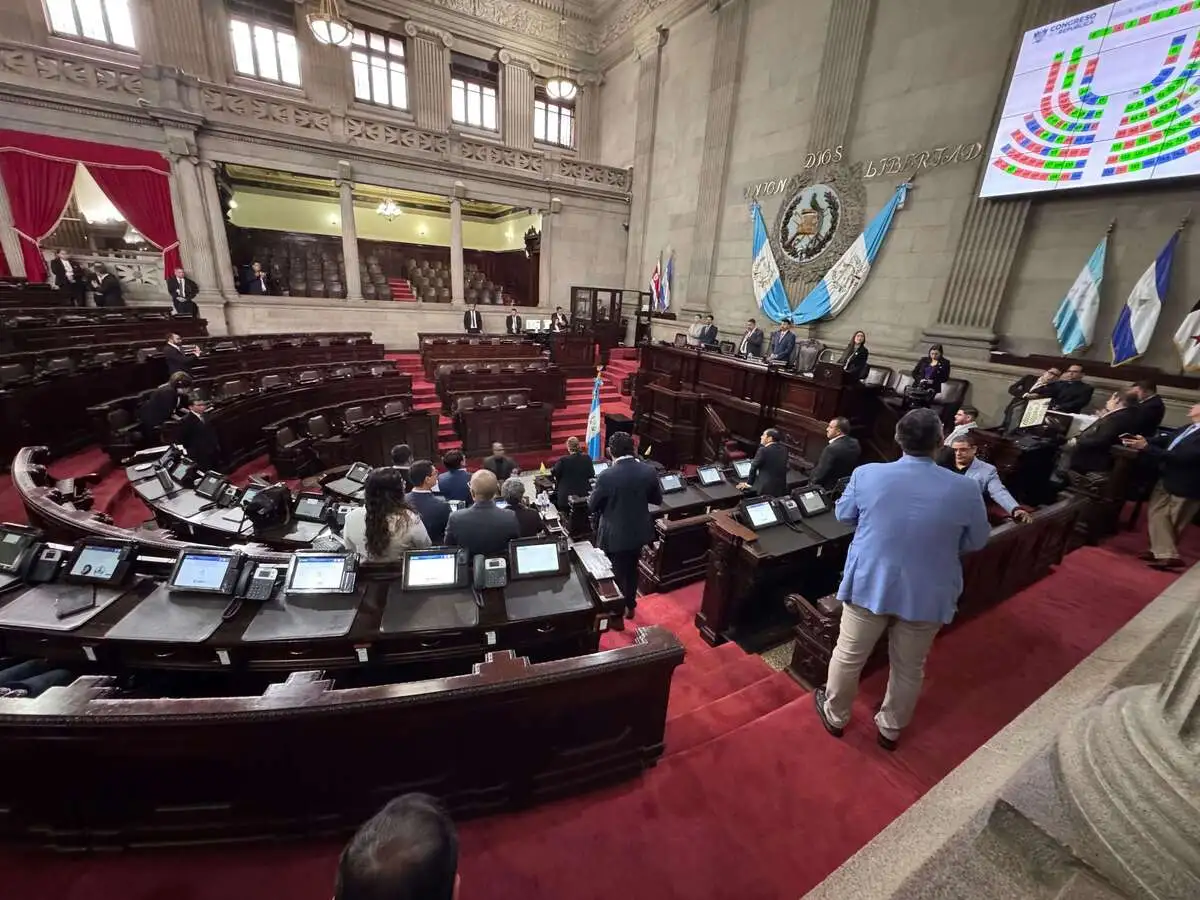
(429, 76)
(191, 220)
(587, 117)
(10, 244)
(222, 258)
(714, 165)
(1130, 778)
(457, 292)
(987, 244)
(649, 53)
(345, 185)
(516, 81)
(214, 37)
(546, 256)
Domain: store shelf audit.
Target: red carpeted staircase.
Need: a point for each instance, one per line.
(402, 290)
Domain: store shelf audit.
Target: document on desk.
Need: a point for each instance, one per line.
(594, 560)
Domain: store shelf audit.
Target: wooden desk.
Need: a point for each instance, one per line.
(575, 354)
(517, 428)
(369, 441)
(439, 351)
(545, 385)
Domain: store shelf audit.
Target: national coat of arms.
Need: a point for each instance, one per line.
(810, 222)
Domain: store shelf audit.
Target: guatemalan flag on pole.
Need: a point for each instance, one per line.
(846, 276)
(1075, 321)
(593, 426)
(1135, 326)
(664, 293)
(768, 287)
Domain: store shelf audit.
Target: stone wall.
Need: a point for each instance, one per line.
(618, 99)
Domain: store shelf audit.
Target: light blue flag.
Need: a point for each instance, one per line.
(664, 298)
(768, 287)
(1075, 321)
(1135, 326)
(593, 426)
(847, 275)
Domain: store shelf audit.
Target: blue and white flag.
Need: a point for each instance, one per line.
(1135, 326)
(593, 426)
(846, 276)
(1075, 321)
(768, 287)
(664, 292)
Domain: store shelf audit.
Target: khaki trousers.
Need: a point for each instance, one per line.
(908, 645)
(1168, 516)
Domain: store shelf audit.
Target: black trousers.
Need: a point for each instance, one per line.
(625, 573)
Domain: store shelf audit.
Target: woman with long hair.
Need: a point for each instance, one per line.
(855, 356)
(387, 525)
(929, 374)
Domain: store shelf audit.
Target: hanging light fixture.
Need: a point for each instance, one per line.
(329, 26)
(389, 209)
(561, 86)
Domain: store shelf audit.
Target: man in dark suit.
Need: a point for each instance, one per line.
(1176, 498)
(454, 483)
(708, 332)
(1020, 390)
(182, 290)
(783, 342)
(558, 321)
(199, 438)
(529, 520)
(258, 281)
(752, 340)
(178, 359)
(839, 457)
(1070, 394)
(573, 474)
(512, 322)
(768, 472)
(498, 464)
(472, 320)
(1090, 450)
(433, 510)
(483, 527)
(106, 287)
(69, 277)
(1150, 408)
(164, 402)
(622, 497)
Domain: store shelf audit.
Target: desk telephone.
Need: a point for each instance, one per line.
(490, 572)
(258, 582)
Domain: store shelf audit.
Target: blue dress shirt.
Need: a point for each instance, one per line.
(990, 485)
(914, 519)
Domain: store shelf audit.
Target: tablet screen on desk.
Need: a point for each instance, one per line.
(358, 473)
(318, 573)
(182, 471)
(742, 468)
(250, 493)
(96, 564)
(203, 571)
(426, 569)
(671, 483)
(536, 557)
(310, 507)
(599, 467)
(210, 484)
(813, 503)
(709, 475)
(12, 546)
(762, 514)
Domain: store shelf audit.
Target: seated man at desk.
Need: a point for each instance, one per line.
(768, 471)
(528, 518)
(165, 402)
(500, 465)
(433, 509)
(199, 438)
(386, 525)
(573, 474)
(454, 483)
(1150, 407)
(1069, 394)
(967, 462)
(782, 343)
(482, 527)
(1091, 449)
(839, 457)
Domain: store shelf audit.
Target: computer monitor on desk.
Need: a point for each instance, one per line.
(600, 465)
(536, 557)
(741, 468)
(441, 568)
(709, 475)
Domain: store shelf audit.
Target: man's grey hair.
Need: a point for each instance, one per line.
(513, 491)
(919, 432)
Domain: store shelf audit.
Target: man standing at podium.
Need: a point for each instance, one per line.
(512, 322)
(751, 343)
(472, 320)
(783, 342)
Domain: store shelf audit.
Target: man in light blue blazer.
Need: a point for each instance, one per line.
(914, 520)
(984, 474)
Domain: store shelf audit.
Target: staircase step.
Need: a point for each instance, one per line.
(709, 722)
(709, 686)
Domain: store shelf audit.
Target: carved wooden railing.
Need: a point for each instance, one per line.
(715, 436)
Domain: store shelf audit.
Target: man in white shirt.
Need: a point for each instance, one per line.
(752, 340)
(694, 331)
(964, 420)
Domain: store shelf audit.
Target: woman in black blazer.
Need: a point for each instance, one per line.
(855, 356)
(929, 374)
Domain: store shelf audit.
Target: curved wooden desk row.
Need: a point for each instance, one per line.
(239, 421)
(41, 317)
(66, 334)
(517, 427)
(434, 356)
(306, 759)
(545, 383)
(332, 436)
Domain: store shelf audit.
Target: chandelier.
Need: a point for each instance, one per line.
(562, 87)
(389, 209)
(329, 26)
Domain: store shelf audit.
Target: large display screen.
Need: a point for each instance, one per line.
(316, 574)
(201, 571)
(432, 569)
(536, 559)
(1105, 97)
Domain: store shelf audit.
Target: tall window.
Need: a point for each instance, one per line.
(553, 122)
(473, 91)
(264, 50)
(379, 73)
(102, 21)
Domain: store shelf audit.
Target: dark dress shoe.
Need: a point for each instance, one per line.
(1147, 556)
(629, 613)
(887, 743)
(616, 623)
(819, 703)
(1170, 562)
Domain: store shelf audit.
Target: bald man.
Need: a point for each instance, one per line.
(483, 527)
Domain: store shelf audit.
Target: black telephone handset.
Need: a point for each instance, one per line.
(45, 564)
(490, 572)
(789, 510)
(258, 581)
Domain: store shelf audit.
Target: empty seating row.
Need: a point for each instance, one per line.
(489, 399)
(16, 292)
(68, 332)
(542, 382)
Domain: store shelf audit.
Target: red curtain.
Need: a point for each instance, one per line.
(39, 188)
(143, 197)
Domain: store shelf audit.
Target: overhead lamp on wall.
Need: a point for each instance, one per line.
(389, 209)
(329, 26)
(561, 86)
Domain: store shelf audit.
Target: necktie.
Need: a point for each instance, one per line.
(1183, 435)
